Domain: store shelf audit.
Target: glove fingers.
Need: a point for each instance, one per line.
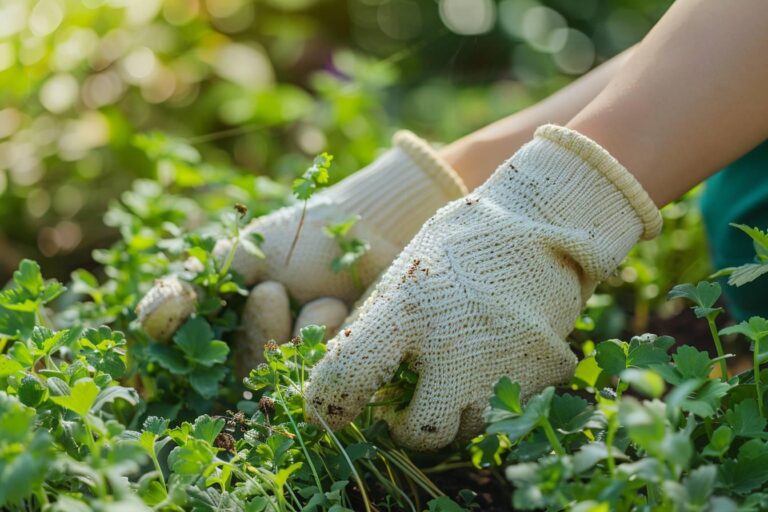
(359, 360)
(431, 420)
(471, 423)
(165, 307)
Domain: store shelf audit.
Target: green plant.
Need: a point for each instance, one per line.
(305, 187)
(739, 276)
(94, 414)
(68, 437)
(352, 249)
(701, 448)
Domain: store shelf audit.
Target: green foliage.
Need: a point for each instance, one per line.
(165, 425)
(739, 276)
(305, 187)
(313, 178)
(352, 249)
(69, 436)
(702, 448)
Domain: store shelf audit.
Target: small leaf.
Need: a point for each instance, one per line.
(756, 328)
(611, 356)
(312, 334)
(82, 396)
(305, 186)
(692, 363)
(746, 273)
(207, 428)
(506, 396)
(31, 391)
(8, 366)
(749, 470)
(206, 380)
(645, 381)
(536, 409)
(195, 340)
(169, 358)
(759, 238)
(570, 414)
(29, 277)
(703, 295)
(745, 419)
(155, 425)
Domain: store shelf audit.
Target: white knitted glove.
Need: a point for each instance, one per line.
(393, 197)
(490, 287)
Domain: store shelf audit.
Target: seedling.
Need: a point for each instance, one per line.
(304, 188)
(704, 296)
(352, 249)
(755, 329)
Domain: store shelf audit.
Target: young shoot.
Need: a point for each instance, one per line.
(352, 249)
(704, 295)
(250, 244)
(305, 187)
(756, 329)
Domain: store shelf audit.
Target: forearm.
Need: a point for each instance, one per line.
(476, 156)
(691, 98)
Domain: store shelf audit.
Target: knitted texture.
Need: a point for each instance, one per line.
(489, 287)
(165, 307)
(393, 197)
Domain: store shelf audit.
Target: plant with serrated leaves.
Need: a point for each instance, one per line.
(650, 427)
(743, 274)
(304, 187)
(351, 249)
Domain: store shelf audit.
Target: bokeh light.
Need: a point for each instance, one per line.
(468, 17)
(287, 78)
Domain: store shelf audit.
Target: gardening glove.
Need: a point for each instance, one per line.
(393, 196)
(490, 287)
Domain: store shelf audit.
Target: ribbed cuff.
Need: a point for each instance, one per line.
(430, 163)
(399, 191)
(602, 161)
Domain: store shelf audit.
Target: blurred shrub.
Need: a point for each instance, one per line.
(256, 88)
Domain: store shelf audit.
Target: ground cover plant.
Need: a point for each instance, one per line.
(96, 415)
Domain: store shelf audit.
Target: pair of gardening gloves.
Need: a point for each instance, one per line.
(488, 286)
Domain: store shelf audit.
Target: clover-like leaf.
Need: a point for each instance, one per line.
(745, 419)
(703, 295)
(611, 356)
(312, 334)
(82, 396)
(750, 468)
(519, 425)
(195, 339)
(207, 428)
(756, 328)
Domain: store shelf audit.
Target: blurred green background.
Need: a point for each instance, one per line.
(258, 88)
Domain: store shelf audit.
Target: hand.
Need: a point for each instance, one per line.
(489, 287)
(393, 196)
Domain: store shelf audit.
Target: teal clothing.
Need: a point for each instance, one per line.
(738, 194)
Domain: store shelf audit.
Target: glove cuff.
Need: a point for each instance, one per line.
(598, 158)
(399, 191)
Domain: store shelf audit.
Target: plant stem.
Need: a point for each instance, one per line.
(612, 427)
(231, 254)
(552, 437)
(153, 456)
(296, 236)
(343, 452)
(718, 346)
(298, 435)
(758, 386)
